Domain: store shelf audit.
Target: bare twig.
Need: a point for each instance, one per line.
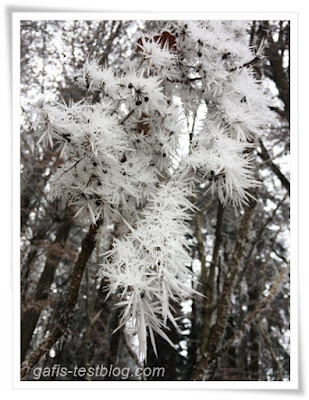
(266, 157)
(126, 117)
(267, 340)
(64, 172)
(133, 354)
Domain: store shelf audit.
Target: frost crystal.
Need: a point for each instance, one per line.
(149, 267)
(121, 159)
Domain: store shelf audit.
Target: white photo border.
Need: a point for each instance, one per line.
(17, 17)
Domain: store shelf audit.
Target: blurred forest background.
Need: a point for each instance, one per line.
(253, 296)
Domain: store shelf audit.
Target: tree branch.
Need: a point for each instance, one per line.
(267, 340)
(218, 329)
(88, 245)
(210, 283)
(132, 353)
(31, 315)
(266, 157)
(201, 248)
(254, 315)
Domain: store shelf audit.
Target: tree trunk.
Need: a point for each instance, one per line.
(218, 330)
(88, 245)
(30, 317)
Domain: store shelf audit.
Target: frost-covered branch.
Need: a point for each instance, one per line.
(149, 267)
(122, 162)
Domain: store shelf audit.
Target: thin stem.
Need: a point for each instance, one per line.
(126, 117)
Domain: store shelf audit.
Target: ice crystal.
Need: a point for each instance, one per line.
(121, 159)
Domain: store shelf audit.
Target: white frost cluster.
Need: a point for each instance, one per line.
(149, 267)
(121, 162)
(226, 164)
(115, 152)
